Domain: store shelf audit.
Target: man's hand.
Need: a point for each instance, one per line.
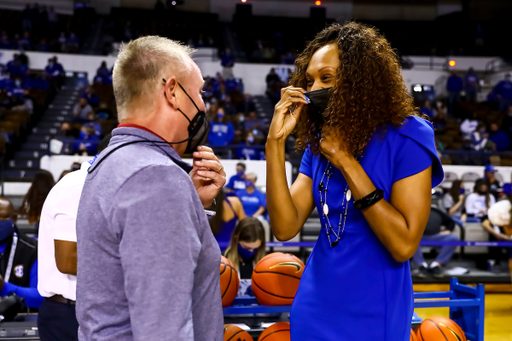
(207, 175)
(2, 282)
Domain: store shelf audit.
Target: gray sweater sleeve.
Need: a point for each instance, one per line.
(159, 248)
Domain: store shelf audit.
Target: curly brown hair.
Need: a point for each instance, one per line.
(369, 90)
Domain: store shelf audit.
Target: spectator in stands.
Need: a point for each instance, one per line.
(18, 89)
(500, 215)
(499, 138)
(272, 77)
(103, 112)
(252, 123)
(433, 232)
(51, 69)
(103, 74)
(90, 96)
(58, 65)
(52, 20)
(26, 18)
(480, 139)
(16, 67)
(247, 246)
(24, 43)
(66, 131)
(468, 126)
(24, 103)
(503, 91)
(247, 150)
(247, 105)
(82, 109)
(237, 181)
(87, 143)
(20, 251)
(426, 109)
(5, 43)
(229, 212)
(227, 62)
(453, 202)
(222, 132)
(238, 125)
(229, 109)
(440, 116)
(471, 82)
(91, 123)
(493, 183)
(454, 87)
(35, 197)
(253, 200)
(73, 44)
(478, 202)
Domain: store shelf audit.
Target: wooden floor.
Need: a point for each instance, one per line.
(498, 315)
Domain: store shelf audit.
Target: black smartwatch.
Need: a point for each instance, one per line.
(213, 206)
(369, 200)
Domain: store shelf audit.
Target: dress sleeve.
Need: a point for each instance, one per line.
(411, 159)
(306, 163)
(417, 151)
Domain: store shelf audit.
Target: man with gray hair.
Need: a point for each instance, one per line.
(148, 264)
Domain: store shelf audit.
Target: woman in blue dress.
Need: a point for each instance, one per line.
(369, 166)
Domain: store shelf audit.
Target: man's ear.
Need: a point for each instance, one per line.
(170, 92)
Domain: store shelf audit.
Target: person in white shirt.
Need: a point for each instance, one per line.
(57, 256)
(478, 202)
(468, 126)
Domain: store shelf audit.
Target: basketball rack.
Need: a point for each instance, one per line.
(467, 307)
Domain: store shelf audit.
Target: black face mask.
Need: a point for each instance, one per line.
(198, 128)
(319, 100)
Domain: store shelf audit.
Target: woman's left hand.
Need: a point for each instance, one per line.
(334, 150)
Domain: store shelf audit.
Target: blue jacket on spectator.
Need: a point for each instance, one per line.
(90, 143)
(92, 99)
(221, 134)
(500, 139)
(252, 202)
(228, 60)
(247, 152)
(454, 84)
(5, 82)
(469, 79)
(504, 88)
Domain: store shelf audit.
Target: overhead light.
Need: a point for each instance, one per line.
(452, 63)
(318, 2)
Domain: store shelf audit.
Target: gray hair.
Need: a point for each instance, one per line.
(141, 65)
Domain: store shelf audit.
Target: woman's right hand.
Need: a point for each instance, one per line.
(284, 120)
(461, 197)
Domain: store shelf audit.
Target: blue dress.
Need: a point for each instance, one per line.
(356, 291)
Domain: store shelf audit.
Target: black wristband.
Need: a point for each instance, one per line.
(369, 200)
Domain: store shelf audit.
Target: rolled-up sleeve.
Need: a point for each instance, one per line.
(159, 248)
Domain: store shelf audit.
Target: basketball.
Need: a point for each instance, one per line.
(276, 278)
(234, 333)
(229, 282)
(277, 332)
(413, 336)
(439, 328)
